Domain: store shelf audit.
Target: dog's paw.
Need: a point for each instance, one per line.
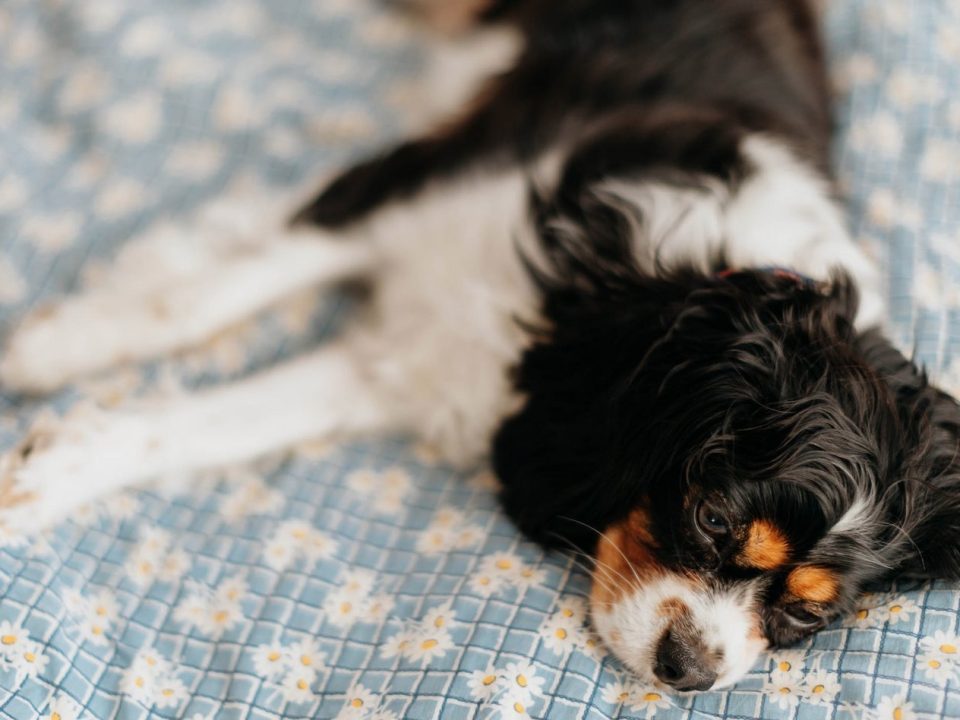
(61, 465)
(23, 496)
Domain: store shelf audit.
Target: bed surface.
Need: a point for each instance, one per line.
(367, 580)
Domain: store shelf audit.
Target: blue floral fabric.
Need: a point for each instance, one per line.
(367, 580)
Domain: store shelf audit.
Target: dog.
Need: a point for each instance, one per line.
(621, 271)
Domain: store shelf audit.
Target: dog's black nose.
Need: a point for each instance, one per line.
(682, 665)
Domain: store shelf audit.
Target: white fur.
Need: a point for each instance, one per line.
(856, 517)
(632, 626)
(674, 226)
(443, 332)
(783, 215)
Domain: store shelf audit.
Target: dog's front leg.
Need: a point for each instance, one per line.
(96, 330)
(93, 453)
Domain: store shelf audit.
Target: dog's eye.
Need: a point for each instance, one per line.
(801, 618)
(711, 521)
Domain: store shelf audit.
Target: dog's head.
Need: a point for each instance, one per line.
(737, 458)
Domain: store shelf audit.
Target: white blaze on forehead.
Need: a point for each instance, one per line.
(726, 621)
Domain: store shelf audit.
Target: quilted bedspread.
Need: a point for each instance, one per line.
(367, 580)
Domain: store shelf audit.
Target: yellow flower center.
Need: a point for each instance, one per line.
(146, 568)
(302, 684)
(151, 660)
(306, 660)
(504, 564)
(948, 649)
(784, 691)
(489, 680)
(29, 657)
(898, 714)
(167, 692)
(357, 703)
(220, 616)
(623, 696)
(273, 656)
(429, 644)
(527, 573)
(935, 664)
(96, 630)
(522, 680)
(484, 581)
(896, 608)
(652, 697)
(345, 607)
(8, 639)
(439, 622)
(55, 716)
(138, 682)
(567, 612)
(784, 666)
(862, 614)
(300, 534)
(101, 611)
(561, 633)
(519, 708)
(818, 689)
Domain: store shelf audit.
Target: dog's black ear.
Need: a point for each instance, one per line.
(924, 467)
(601, 316)
(552, 456)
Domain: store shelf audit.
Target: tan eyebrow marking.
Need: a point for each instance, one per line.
(813, 584)
(766, 547)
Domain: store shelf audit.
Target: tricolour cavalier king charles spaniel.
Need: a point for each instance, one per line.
(621, 270)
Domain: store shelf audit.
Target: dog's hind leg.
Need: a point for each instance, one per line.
(92, 453)
(101, 328)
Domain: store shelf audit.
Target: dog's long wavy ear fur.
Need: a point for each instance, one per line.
(926, 464)
(601, 315)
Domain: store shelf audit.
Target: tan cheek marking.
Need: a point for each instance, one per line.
(813, 584)
(765, 548)
(609, 571)
(624, 559)
(638, 524)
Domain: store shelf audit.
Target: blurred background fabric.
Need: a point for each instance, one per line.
(367, 580)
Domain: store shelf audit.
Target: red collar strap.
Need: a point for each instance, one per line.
(780, 272)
